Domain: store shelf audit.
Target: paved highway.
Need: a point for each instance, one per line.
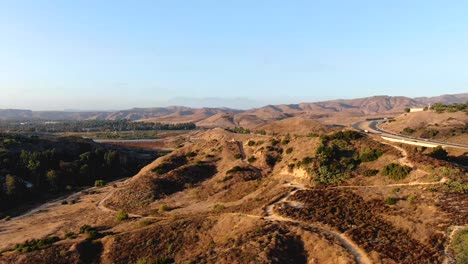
(375, 129)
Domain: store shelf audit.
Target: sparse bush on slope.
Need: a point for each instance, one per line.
(396, 171)
(460, 246)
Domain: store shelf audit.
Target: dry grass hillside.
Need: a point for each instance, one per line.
(186, 114)
(294, 126)
(337, 197)
(225, 117)
(450, 127)
(332, 112)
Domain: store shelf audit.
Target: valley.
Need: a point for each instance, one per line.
(264, 195)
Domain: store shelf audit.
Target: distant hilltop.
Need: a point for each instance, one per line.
(227, 117)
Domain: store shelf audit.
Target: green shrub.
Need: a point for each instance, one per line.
(411, 198)
(460, 246)
(440, 108)
(430, 133)
(252, 159)
(306, 161)
(121, 216)
(370, 172)
(86, 228)
(10, 142)
(99, 183)
(456, 187)
(70, 235)
(218, 208)
(271, 160)
(289, 150)
(347, 136)
(274, 142)
(238, 169)
(336, 157)
(439, 153)
(368, 155)
(250, 143)
(396, 171)
(330, 175)
(164, 260)
(238, 156)
(164, 208)
(35, 244)
(172, 163)
(390, 200)
(408, 131)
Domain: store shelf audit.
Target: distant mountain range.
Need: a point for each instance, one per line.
(227, 117)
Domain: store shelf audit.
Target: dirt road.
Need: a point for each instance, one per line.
(355, 250)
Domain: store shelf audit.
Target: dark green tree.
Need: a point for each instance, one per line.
(439, 153)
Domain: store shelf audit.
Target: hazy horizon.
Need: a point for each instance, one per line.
(117, 55)
(232, 103)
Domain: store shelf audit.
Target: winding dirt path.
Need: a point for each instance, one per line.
(449, 258)
(415, 183)
(404, 159)
(60, 200)
(241, 150)
(360, 255)
(101, 206)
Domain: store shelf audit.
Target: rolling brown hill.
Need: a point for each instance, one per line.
(186, 114)
(449, 127)
(365, 106)
(252, 118)
(294, 126)
(206, 203)
(445, 99)
(257, 117)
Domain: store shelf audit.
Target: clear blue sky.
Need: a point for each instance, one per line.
(119, 54)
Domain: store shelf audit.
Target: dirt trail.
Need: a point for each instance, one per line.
(241, 149)
(60, 200)
(103, 208)
(443, 180)
(360, 255)
(404, 159)
(355, 250)
(448, 256)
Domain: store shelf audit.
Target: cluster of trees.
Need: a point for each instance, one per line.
(396, 171)
(239, 130)
(242, 130)
(336, 157)
(346, 136)
(89, 126)
(460, 246)
(451, 108)
(408, 131)
(368, 155)
(34, 168)
(334, 163)
(439, 153)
